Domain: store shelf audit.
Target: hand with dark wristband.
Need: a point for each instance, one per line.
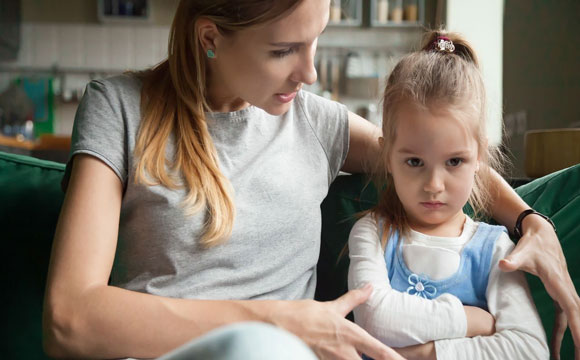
(539, 252)
(518, 227)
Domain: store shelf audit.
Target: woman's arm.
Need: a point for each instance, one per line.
(399, 319)
(84, 317)
(363, 147)
(519, 332)
(539, 252)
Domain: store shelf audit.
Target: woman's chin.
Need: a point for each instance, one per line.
(277, 109)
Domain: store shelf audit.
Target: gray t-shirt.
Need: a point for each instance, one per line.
(280, 167)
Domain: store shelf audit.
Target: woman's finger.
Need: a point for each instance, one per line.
(521, 258)
(571, 308)
(337, 353)
(368, 345)
(361, 341)
(539, 252)
(560, 287)
(386, 353)
(560, 325)
(573, 317)
(344, 304)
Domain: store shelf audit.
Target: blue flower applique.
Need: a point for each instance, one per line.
(420, 287)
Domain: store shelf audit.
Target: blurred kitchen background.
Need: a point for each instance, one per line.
(529, 49)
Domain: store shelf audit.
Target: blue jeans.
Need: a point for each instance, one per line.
(248, 341)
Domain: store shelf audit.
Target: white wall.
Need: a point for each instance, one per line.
(90, 48)
(481, 21)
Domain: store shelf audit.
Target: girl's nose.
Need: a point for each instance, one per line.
(434, 183)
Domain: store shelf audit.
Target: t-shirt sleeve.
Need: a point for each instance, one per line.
(99, 129)
(329, 122)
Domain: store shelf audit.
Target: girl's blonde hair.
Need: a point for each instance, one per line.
(174, 101)
(432, 78)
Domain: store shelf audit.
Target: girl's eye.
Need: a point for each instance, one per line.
(414, 162)
(454, 162)
(282, 53)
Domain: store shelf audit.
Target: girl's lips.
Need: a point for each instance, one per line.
(432, 205)
(285, 98)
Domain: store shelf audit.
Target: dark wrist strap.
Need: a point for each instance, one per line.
(518, 232)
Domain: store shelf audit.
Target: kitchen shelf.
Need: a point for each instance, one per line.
(347, 13)
(396, 39)
(409, 14)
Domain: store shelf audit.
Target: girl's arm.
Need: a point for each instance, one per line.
(399, 319)
(538, 252)
(419, 352)
(519, 332)
(86, 318)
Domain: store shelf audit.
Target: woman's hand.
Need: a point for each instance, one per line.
(323, 327)
(479, 322)
(419, 352)
(539, 252)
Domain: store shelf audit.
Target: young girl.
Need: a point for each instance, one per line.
(434, 270)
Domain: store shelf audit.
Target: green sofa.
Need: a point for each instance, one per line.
(30, 201)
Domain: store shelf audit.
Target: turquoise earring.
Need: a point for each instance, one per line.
(210, 54)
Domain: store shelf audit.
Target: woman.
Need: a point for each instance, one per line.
(210, 169)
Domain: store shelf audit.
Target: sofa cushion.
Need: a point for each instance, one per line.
(30, 201)
(556, 195)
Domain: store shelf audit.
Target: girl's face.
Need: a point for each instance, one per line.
(433, 163)
(267, 64)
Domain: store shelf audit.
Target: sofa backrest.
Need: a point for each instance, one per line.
(30, 201)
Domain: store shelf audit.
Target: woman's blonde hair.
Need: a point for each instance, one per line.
(174, 101)
(428, 79)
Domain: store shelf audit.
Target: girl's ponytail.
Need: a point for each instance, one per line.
(443, 41)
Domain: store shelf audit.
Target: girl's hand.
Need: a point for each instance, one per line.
(539, 252)
(479, 322)
(419, 352)
(322, 325)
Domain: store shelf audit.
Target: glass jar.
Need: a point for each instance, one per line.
(335, 11)
(396, 7)
(411, 11)
(382, 11)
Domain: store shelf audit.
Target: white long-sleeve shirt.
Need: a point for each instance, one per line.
(399, 319)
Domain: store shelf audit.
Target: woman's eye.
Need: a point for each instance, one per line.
(454, 162)
(414, 162)
(282, 53)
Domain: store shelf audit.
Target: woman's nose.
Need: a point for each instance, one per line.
(305, 71)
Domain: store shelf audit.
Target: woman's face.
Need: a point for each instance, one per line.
(267, 64)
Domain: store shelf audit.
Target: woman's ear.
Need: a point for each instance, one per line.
(381, 141)
(208, 35)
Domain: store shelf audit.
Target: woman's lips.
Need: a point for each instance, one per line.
(432, 205)
(287, 97)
